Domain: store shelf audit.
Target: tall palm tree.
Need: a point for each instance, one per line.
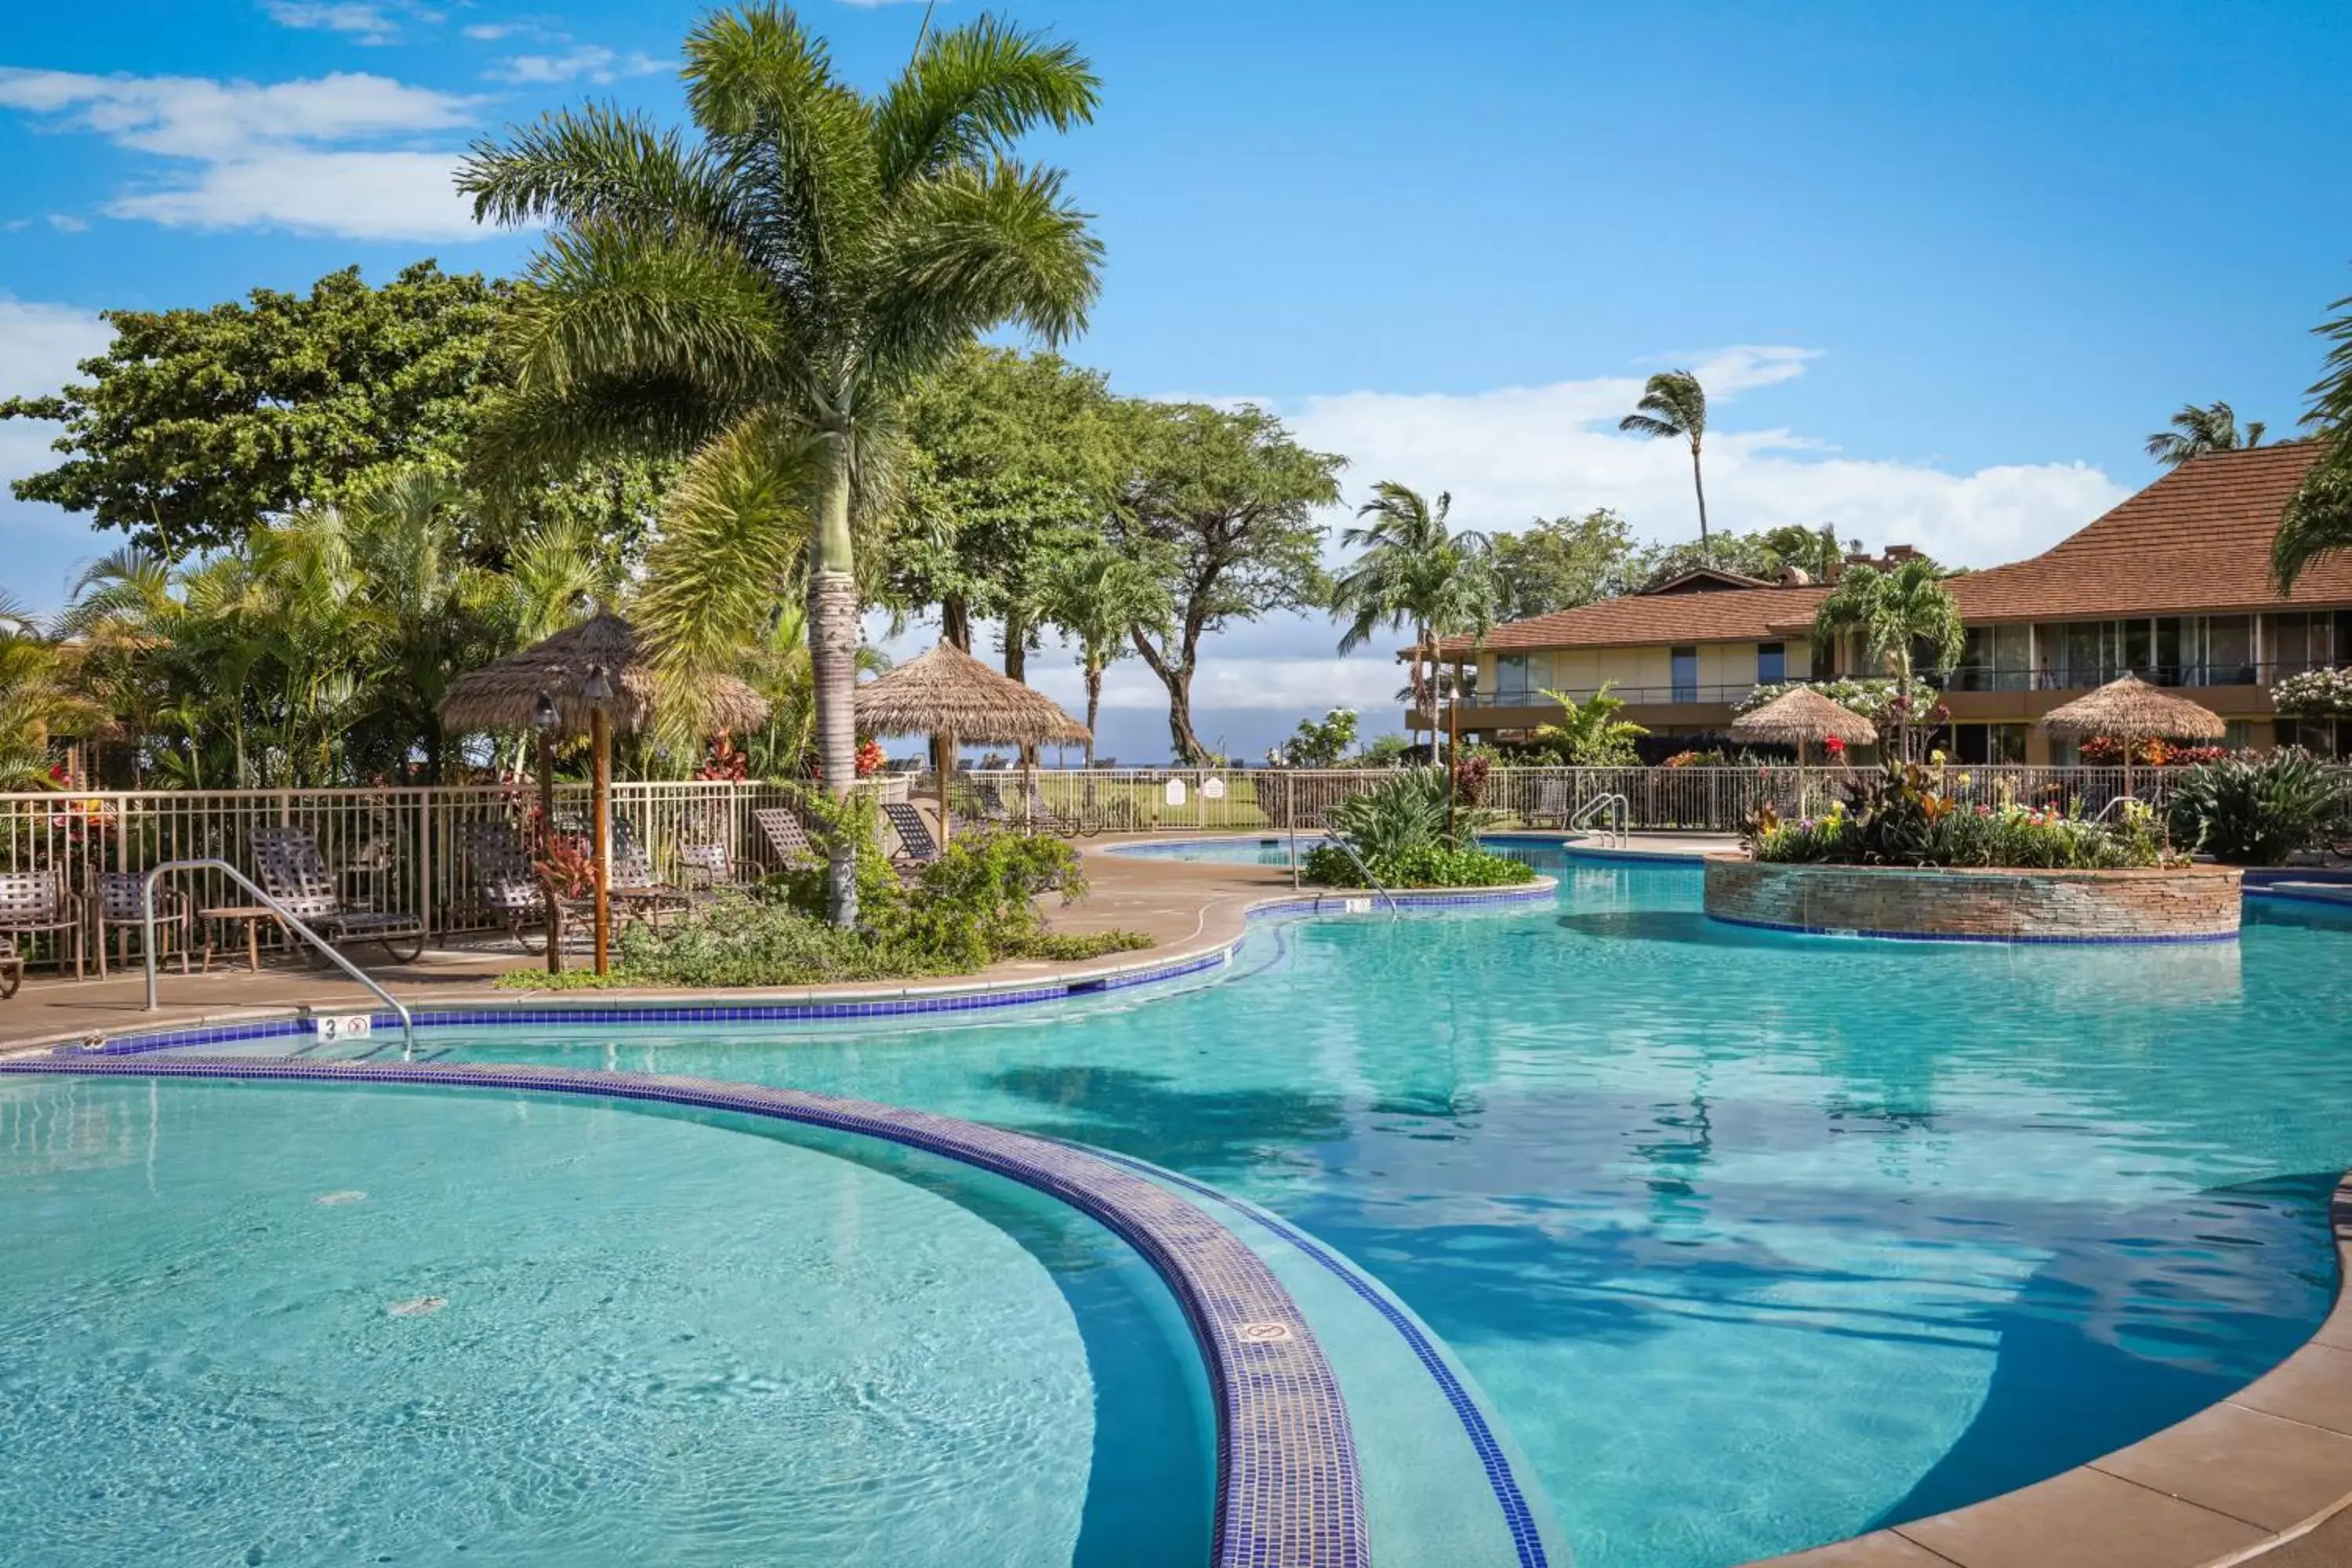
(1414, 572)
(1892, 617)
(1675, 404)
(1101, 598)
(2197, 431)
(2318, 520)
(759, 300)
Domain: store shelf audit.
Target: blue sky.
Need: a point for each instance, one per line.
(1944, 267)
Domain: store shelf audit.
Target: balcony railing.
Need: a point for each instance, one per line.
(1686, 691)
(1967, 678)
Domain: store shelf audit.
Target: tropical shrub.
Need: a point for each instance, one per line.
(2107, 750)
(975, 905)
(1589, 734)
(2248, 810)
(1401, 829)
(1867, 696)
(1895, 816)
(2315, 693)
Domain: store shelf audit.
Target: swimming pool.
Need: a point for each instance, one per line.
(1240, 849)
(1753, 1240)
(265, 1323)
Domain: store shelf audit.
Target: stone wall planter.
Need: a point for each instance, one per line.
(2195, 903)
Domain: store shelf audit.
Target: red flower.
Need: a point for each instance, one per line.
(1834, 746)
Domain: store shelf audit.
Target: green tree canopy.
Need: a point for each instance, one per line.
(1894, 618)
(2197, 431)
(1560, 563)
(1226, 501)
(198, 427)
(2318, 520)
(760, 298)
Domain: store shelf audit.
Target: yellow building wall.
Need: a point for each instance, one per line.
(1580, 671)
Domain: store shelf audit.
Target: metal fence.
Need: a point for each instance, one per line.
(388, 849)
(400, 849)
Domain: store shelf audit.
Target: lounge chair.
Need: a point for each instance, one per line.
(1040, 814)
(116, 906)
(640, 894)
(287, 863)
(34, 903)
(787, 836)
(12, 970)
(508, 885)
(988, 804)
(916, 844)
(1551, 804)
(705, 866)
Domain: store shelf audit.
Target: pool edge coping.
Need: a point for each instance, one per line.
(798, 1005)
(1287, 1480)
(2038, 1525)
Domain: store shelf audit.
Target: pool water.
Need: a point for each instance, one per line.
(1241, 850)
(268, 1323)
(1754, 1240)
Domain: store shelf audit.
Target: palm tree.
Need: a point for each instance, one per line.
(1675, 404)
(36, 700)
(2197, 431)
(1590, 734)
(760, 300)
(1100, 599)
(2318, 520)
(1414, 572)
(1892, 615)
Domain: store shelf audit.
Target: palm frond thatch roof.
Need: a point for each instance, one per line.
(1801, 717)
(502, 695)
(948, 692)
(2129, 709)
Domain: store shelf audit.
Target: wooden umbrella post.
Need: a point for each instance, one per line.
(547, 851)
(600, 739)
(947, 773)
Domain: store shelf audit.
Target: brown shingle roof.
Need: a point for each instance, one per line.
(2197, 539)
(1727, 615)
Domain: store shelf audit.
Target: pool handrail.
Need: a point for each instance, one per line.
(1331, 835)
(285, 917)
(1621, 816)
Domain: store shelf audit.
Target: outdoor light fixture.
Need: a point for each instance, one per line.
(542, 712)
(599, 689)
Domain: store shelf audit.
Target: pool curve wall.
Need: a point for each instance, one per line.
(1288, 1488)
(2194, 903)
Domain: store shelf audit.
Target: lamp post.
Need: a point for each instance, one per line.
(598, 690)
(543, 722)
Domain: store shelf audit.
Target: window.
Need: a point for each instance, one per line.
(2012, 659)
(1684, 666)
(1981, 744)
(1511, 680)
(2229, 650)
(2167, 668)
(1772, 663)
(2080, 664)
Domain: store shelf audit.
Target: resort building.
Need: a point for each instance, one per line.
(2173, 586)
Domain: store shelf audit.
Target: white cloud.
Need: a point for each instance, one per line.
(40, 345)
(270, 154)
(369, 24)
(65, 223)
(492, 32)
(591, 62)
(1517, 453)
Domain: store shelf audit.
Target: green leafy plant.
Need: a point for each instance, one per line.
(1399, 829)
(1589, 734)
(1895, 816)
(2258, 810)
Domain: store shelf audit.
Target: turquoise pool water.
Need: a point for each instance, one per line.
(256, 1323)
(1239, 849)
(1754, 1240)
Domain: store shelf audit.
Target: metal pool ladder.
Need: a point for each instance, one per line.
(1619, 812)
(1333, 835)
(292, 922)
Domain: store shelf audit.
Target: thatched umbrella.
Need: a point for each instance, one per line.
(2131, 710)
(952, 697)
(588, 677)
(1801, 717)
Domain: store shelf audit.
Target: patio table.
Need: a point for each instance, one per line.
(250, 916)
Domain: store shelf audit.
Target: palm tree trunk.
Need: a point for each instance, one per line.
(1699, 484)
(1094, 706)
(1016, 668)
(955, 623)
(832, 658)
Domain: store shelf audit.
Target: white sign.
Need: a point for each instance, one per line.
(1213, 789)
(1175, 792)
(344, 1027)
(1360, 906)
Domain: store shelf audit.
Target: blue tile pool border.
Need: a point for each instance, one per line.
(530, 1014)
(1519, 1516)
(1289, 1491)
